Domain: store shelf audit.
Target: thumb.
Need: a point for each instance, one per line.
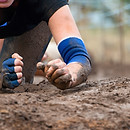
(41, 66)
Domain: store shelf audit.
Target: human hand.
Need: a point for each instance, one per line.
(57, 73)
(12, 71)
(64, 76)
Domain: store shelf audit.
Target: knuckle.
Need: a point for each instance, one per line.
(55, 67)
(60, 71)
(46, 69)
(19, 80)
(18, 69)
(18, 62)
(54, 61)
(58, 60)
(19, 75)
(14, 55)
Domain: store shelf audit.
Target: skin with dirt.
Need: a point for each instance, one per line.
(93, 105)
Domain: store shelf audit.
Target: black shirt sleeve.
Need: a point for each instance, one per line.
(51, 6)
(29, 14)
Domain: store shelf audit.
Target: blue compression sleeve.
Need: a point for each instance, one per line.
(73, 50)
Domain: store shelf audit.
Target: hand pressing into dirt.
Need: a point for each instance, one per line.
(64, 76)
(12, 71)
(57, 73)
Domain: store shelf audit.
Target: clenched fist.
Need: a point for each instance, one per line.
(63, 75)
(12, 71)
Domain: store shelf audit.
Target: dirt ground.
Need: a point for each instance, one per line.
(101, 103)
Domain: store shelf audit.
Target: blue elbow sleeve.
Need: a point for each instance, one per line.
(73, 50)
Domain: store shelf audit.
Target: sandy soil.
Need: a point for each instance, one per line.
(93, 105)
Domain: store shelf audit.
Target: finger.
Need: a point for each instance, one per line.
(19, 75)
(64, 79)
(15, 83)
(13, 76)
(41, 66)
(58, 73)
(18, 62)
(9, 76)
(19, 81)
(12, 69)
(51, 70)
(18, 69)
(51, 63)
(17, 56)
(11, 84)
(12, 62)
(54, 61)
(54, 67)
(63, 82)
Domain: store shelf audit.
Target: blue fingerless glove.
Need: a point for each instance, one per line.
(3, 24)
(9, 75)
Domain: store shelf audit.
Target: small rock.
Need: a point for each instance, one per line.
(3, 111)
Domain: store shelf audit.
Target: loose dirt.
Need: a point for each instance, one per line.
(93, 105)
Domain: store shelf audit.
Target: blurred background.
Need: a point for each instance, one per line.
(105, 28)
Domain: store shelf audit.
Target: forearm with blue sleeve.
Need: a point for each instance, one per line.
(72, 49)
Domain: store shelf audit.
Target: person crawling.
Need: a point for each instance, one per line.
(18, 17)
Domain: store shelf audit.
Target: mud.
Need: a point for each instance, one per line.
(93, 105)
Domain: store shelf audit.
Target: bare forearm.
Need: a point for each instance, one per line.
(62, 24)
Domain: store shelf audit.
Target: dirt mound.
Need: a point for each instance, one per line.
(99, 105)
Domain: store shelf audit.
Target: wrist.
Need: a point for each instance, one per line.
(72, 49)
(79, 72)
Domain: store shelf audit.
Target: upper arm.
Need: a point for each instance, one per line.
(62, 24)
